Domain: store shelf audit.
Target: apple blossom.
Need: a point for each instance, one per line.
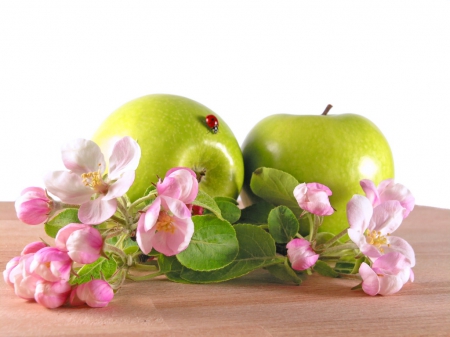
(19, 265)
(371, 228)
(86, 178)
(179, 183)
(313, 197)
(166, 226)
(388, 190)
(387, 275)
(22, 279)
(52, 294)
(33, 206)
(51, 264)
(95, 293)
(83, 243)
(300, 254)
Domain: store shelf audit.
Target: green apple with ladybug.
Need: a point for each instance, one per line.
(335, 150)
(175, 131)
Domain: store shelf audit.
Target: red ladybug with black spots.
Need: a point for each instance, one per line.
(213, 123)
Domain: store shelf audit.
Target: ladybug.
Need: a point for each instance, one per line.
(212, 122)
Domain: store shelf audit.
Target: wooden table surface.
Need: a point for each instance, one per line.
(256, 304)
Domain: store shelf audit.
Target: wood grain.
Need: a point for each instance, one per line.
(256, 304)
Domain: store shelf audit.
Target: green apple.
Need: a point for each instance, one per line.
(335, 150)
(172, 131)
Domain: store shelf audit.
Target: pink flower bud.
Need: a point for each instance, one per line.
(52, 294)
(51, 264)
(313, 197)
(7, 273)
(83, 243)
(33, 247)
(300, 254)
(33, 206)
(95, 293)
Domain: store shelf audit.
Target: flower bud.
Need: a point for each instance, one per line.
(300, 254)
(33, 206)
(83, 243)
(95, 293)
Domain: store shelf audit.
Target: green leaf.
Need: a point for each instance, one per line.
(229, 211)
(284, 273)
(348, 265)
(228, 199)
(63, 218)
(94, 270)
(257, 213)
(207, 202)
(324, 269)
(276, 187)
(213, 245)
(256, 250)
(283, 224)
(150, 189)
(170, 266)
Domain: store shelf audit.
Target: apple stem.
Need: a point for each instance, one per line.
(325, 112)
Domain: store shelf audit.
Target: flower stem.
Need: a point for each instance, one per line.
(334, 239)
(141, 200)
(339, 248)
(144, 277)
(113, 249)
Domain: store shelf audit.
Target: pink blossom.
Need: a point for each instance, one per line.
(17, 266)
(388, 190)
(86, 178)
(371, 228)
(313, 197)
(167, 225)
(179, 183)
(52, 294)
(83, 243)
(95, 293)
(22, 279)
(51, 264)
(300, 254)
(169, 231)
(387, 276)
(33, 206)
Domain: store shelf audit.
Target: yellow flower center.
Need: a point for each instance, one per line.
(164, 223)
(376, 239)
(95, 181)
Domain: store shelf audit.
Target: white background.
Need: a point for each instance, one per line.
(65, 66)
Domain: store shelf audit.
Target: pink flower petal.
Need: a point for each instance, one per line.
(144, 238)
(121, 186)
(52, 295)
(125, 156)
(152, 214)
(68, 187)
(83, 156)
(33, 247)
(359, 213)
(177, 207)
(370, 190)
(387, 217)
(97, 211)
(397, 244)
(179, 183)
(371, 283)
